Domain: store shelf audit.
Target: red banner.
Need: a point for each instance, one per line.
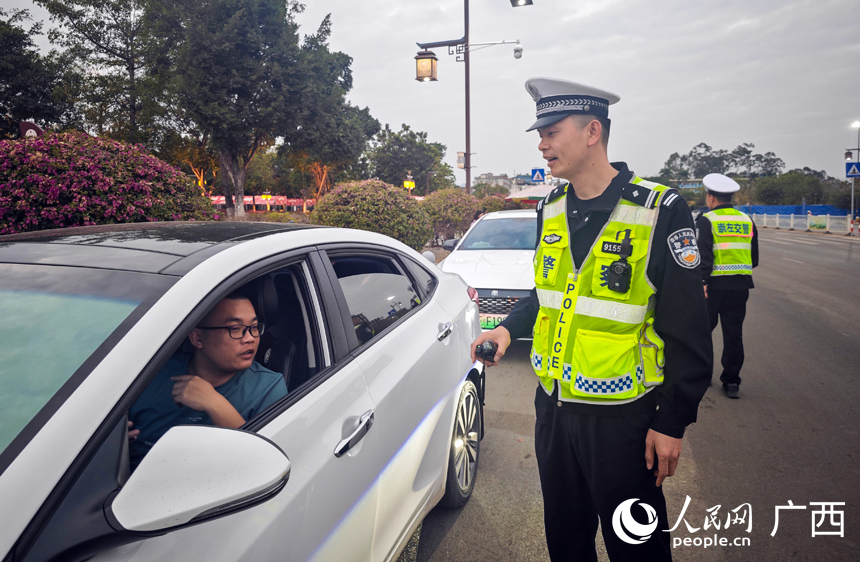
(275, 200)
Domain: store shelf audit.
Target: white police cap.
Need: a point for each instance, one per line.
(718, 183)
(556, 99)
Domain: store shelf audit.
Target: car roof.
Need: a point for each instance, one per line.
(143, 247)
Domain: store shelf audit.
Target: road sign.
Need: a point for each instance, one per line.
(538, 175)
(852, 169)
(409, 184)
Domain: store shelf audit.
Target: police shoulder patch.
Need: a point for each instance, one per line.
(685, 250)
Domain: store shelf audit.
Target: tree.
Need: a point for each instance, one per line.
(393, 154)
(334, 133)
(244, 78)
(676, 167)
(193, 152)
(32, 87)
(791, 188)
(239, 76)
(482, 190)
(109, 39)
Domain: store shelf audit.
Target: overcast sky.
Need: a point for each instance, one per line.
(782, 74)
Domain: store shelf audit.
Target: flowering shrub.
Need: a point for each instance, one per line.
(451, 211)
(376, 206)
(493, 203)
(276, 216)
(73, 179)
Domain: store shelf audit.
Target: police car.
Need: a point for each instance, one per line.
(495, 257)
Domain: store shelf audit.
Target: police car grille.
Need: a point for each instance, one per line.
(497, 305)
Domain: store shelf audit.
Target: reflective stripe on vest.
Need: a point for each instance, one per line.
(732, 231)
(599, 345)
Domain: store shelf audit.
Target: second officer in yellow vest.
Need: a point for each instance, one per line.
(621, 346)
(729, 244)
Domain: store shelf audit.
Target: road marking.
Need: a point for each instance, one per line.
(808, 243)
(795, 261)
(778, 241)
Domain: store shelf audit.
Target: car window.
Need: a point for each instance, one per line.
(377, 292)
(502, 234)
(55, 319)
(283, 351)
(425, 280)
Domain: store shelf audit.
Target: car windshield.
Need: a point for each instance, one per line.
(54, 320)
(502, 234)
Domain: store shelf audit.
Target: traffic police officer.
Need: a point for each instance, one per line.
(620, 345)
(729, 246)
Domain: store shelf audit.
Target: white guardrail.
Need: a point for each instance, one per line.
(820, 223)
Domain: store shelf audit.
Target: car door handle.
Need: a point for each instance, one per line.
(364, 424)
(446, 331)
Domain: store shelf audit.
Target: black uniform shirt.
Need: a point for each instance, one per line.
(681, 317)
(705, 235)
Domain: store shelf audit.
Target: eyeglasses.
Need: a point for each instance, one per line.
(238, 331)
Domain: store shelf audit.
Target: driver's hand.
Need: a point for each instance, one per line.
(501, 336)
(132, 433)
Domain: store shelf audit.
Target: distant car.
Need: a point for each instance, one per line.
(382, 420)
(495, 256)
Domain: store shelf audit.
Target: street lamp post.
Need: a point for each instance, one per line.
(424, 62)
(848, 151)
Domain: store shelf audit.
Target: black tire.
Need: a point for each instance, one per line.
(465, 449)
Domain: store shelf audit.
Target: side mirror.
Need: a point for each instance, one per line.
(450, 244)
(195, 473)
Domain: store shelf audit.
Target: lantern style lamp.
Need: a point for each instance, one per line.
(425, 66)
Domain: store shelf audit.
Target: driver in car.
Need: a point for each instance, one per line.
(218, 384)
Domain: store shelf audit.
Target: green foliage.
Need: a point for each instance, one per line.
(335, 133)
(277, 216)
(703, 160)
(122, 95)
(493, 203)
(375, 206)
(73, 179)
(791, 188)
(450, 211)
(484, 189)
(393, 154)
(32, 87)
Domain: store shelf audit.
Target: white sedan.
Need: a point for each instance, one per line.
(381, 422)
(496, 257)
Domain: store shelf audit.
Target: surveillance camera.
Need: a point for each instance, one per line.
(518, 52)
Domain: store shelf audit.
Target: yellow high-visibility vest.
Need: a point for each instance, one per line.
(733, 232)
(599, 344)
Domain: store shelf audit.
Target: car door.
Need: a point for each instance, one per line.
(327, 509)
(407, 349)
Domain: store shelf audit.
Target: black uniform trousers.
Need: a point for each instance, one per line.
(730, 308)
(589, 464)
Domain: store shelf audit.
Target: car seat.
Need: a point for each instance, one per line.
(275, 351)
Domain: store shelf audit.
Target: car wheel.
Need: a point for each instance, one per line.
(465, 447)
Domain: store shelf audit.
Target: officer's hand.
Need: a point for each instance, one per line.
(501, 336)
(668, 449)
(706, 290)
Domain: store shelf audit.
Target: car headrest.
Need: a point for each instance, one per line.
(267, 301)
